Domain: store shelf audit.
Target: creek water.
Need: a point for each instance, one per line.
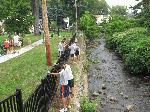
(116, 89)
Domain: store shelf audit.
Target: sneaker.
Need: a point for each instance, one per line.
(69, 107)
(63, 110)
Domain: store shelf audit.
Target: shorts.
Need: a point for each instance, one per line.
(77, 53)
(72, 55)
(71, 83)
(15, 44)
(64, 91)
(60, 53)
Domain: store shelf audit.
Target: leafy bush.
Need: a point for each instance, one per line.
(88, 25)
(118, 23)
(134, 47)
(87, 105)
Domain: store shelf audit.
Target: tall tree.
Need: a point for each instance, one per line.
(46, 33)
(144, 15)
(35, 13)
(93, 6)
(119, 10)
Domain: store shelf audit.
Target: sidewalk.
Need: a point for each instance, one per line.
(20, 51)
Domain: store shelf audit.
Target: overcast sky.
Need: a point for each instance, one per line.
(121, 2)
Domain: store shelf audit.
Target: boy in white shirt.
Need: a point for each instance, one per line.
(64, 88)
(72, 50)
(60, 48)
(16, 39)
(66, 83)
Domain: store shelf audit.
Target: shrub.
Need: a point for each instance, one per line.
(88, 25)
(133, 45)
(87, 105)
(118, 23)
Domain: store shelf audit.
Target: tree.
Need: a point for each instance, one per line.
(144, 15)
(88, 25)
(16, 14)
(118, 10)
(35, 13)
(46, 33)
(95, 7)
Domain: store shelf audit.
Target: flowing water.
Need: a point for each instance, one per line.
(117, 90)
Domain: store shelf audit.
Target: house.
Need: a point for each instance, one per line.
(66, 22)
(101, 18)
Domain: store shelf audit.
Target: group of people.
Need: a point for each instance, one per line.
(64, 72)
(11, 43)
(74, 49)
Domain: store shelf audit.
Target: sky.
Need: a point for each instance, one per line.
(121, 2)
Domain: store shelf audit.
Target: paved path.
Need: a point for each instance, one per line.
(20, 51)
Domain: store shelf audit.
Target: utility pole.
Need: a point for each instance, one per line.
(76, 16)
(46, 33)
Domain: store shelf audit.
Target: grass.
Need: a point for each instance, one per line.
(27, 70)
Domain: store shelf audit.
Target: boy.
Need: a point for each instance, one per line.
(64, 88)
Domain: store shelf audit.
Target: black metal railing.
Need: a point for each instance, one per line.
(40, 100)
(13, 103)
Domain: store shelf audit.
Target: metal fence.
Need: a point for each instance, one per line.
(38, 101)
(13, 103)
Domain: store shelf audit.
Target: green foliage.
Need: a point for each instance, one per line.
(95, 6)
(118, 23)
(88, 25)
(53, 25)
(87, 106)
(133, 46)
(19, 25)
(17, 15)
(119, 10)
(144, 15)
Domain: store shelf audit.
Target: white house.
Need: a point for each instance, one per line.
(101, 18)
(66, 20)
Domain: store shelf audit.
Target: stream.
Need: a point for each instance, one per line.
(114, 88)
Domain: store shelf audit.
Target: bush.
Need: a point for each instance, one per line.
(118, 23)
(133, 45)
(88, 25)
(87, 105)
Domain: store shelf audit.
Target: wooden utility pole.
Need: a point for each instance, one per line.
(46, 33)
(76, 16)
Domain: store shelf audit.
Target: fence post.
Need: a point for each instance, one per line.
(19, 100)
(45, 103)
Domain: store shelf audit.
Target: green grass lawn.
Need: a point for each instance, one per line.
(27, 70)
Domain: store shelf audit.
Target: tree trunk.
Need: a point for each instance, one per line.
(35, 12)
(46, 33)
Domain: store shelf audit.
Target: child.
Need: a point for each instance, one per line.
(64, 89)
(72, 50)
(61, 48)
(77, 52)
(6, 45)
